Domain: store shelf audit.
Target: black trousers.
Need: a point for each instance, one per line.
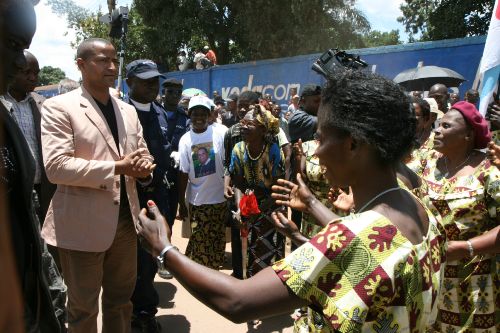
(145, 298)
(236, 252)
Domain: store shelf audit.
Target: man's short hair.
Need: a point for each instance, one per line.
(251, 96)
(86, 48)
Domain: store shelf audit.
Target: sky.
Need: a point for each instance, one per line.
(51, 43)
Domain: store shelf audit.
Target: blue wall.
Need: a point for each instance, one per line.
(277, 76)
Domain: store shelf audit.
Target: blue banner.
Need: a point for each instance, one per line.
(276, 77)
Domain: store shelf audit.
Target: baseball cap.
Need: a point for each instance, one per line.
(311, 90)
(172, 82)
(143, 69)
(201, 101)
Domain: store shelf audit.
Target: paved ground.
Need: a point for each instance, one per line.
(179, 312)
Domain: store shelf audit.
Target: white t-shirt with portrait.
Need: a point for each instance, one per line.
(201, 157)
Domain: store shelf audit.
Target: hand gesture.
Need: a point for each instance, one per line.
(284, 226)
(135, 165)
(143, 167)
(292, 195)
(228, 192)
(341, 200)
(152, 229)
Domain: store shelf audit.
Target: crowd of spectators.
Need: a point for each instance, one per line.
(392, 199)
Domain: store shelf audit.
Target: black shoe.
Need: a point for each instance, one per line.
(146, 324)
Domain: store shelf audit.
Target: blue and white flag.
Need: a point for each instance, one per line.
(490, 63)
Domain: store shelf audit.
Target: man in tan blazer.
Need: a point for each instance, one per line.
(94, 151)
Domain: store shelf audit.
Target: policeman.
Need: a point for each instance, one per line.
(143, 80)
(178, 124)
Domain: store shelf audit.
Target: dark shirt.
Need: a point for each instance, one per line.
(109, 115)
(155, 130)
(228, 119)
(17, 171)
(231, 138)
(178, 124)
(10, 177)
(302, 125)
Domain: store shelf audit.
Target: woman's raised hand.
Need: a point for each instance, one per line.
(296, 196)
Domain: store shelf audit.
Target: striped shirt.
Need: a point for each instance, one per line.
(23, 115)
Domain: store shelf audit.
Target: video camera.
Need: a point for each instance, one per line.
(117, 20)
(333, 60)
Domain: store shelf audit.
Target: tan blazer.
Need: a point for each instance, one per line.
(79, 155)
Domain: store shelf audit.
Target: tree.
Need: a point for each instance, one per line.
(50, 75)
(254, 30)
(442, 19)
(236, 30)
(86, 24)
(377, 38)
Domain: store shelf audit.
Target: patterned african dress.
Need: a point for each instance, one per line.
(363, 275)
(207, 243)
(495, 137)
(265, 244)
(312, 321)
(469, 207)
(318, 185)
(421, 154)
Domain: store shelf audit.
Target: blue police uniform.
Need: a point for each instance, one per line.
(162, 131)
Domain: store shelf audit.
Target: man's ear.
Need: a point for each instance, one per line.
(80, 63)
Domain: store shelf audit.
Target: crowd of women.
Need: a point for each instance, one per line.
(400, 230)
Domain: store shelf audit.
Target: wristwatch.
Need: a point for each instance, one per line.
(160, 260)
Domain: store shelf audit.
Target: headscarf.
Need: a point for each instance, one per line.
(482, 134)
(266, 119)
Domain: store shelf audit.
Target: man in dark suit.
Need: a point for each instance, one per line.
(143, 80)
(17, 170)
(26, 106)
(25, 109)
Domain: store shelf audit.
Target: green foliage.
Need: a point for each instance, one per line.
(236, 30)
(86, 25)
(443, 19)
(377, 38)
(254, 30)
(50, 75)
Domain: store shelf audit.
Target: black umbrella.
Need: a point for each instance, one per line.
(424, 77)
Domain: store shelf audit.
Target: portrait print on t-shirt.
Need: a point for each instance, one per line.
(203, 159)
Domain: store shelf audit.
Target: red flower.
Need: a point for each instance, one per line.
(248, 205)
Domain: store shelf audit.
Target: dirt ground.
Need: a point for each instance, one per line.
(179, 312)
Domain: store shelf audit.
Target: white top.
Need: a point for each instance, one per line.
(201, 157)
(141, 106)
(220, 126)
